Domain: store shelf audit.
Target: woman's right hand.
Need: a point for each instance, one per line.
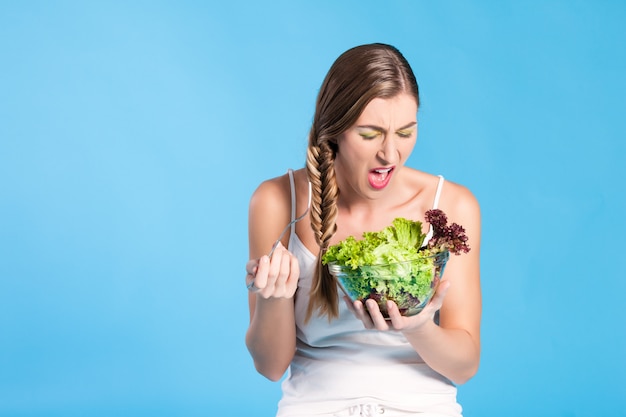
(276, 277)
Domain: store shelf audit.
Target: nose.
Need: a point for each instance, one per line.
(388, 152)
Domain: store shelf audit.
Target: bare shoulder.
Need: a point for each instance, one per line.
(267, 214)
(275, 194)
(271, 194)
(462, 207)
(458, 201)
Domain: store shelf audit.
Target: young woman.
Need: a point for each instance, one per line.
(344, 358)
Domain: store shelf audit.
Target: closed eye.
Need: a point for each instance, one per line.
(405, 133)
(370, 134)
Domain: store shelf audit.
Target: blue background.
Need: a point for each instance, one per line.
(133, 133)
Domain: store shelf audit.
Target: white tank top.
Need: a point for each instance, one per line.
(340, 364)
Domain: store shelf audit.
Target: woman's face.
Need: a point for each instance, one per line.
(371, 152)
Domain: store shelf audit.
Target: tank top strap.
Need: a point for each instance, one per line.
(292, 185)
(429, 235)
(438, 193)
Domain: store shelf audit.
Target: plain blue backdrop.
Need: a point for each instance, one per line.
(132, 134)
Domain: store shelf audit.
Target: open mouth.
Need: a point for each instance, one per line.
(379, 177)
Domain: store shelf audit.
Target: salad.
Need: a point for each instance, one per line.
(396, 263)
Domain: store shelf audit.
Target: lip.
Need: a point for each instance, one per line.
(379, 177)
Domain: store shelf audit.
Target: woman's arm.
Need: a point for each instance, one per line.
(451, 348)
(271, 335)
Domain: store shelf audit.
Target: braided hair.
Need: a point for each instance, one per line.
(357, 76)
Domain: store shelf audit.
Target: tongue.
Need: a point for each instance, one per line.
(378, 179)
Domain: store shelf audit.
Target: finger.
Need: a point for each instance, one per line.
(252, 266)
(349, 304)
(294, 276)
(285, 267)
(397, 319)
(251, 269)
(274, 268)
(260, 277)
(437, 301)
(279, 248)
(250, 284)
(377, 317)
(362, 314)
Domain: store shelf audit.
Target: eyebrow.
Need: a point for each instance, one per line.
(380, 129)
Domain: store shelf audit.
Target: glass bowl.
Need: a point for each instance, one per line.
(409, 284)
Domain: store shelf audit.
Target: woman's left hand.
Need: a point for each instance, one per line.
(372, 317)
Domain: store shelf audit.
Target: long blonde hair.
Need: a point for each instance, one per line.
(357, 76)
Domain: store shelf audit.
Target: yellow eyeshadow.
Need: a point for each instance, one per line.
(369, 135)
